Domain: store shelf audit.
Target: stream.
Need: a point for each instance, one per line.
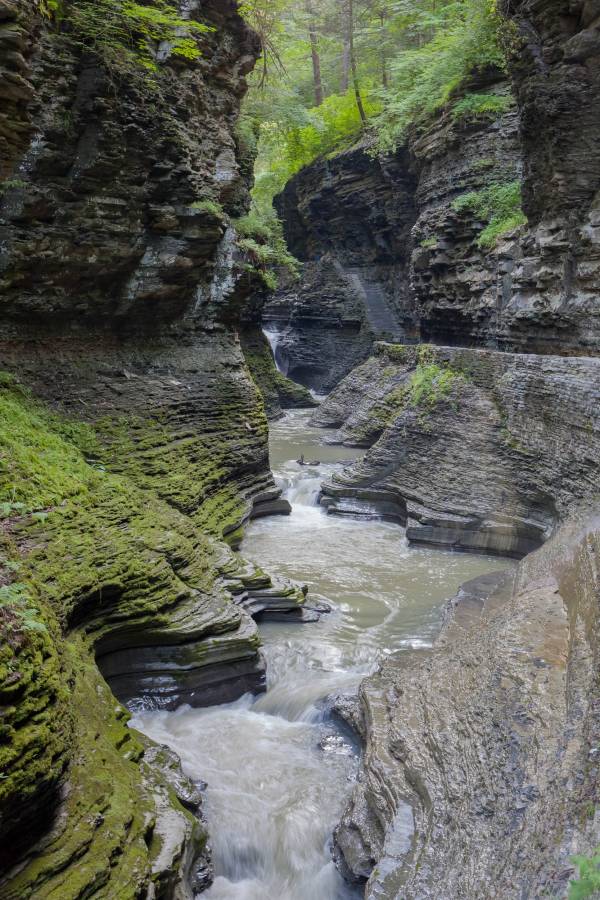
(278, 770)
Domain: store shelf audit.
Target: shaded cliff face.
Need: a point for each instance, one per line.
(478, 774)
(552, 288)
(348, 220)
(456, 284)
(535, 291)
(478, 767)
(133, 448)
(105, 192)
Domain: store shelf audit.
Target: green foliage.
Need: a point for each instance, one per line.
(588, 883)
(211, 207)
(253, 225)
(411, 58)
(51, 9)
(263, 243)
(465, 38)
(15, 599)
(288, 146)
(473, 107)
(429, 243)
(40, 463)
(499, 205)
(124, 32)
(12, 184)
(430, 384)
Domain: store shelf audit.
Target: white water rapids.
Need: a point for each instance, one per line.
(279, 773)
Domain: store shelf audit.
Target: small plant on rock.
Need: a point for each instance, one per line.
(124, 32)
(481, 107)
(499, 205)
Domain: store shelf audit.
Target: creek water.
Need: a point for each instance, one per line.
(279, 772)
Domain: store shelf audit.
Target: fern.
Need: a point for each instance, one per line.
(498, 205)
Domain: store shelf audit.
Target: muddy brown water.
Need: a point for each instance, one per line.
(279, 773)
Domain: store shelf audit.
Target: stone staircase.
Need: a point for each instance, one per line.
(381, 318)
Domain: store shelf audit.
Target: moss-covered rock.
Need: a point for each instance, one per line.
(95, 564)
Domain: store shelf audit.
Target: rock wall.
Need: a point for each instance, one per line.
(470, 449)
(348, 220)
(479, 775)
(552, 285)
(133, 446)
(455, 283)
(278, 392)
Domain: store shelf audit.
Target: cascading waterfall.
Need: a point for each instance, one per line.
(274, 335)
(278, 770)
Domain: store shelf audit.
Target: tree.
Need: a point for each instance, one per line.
(349, 39)
(314, 49)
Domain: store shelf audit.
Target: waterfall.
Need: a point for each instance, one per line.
(273, 335)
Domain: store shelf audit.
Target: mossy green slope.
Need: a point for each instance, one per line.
(87, 556)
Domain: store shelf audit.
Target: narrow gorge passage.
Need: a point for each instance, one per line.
(279, 772)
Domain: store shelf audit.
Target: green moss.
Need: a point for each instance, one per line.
(36, 726)
(38, 467)
(211, 208)
(105, 840)
(430, 384)
(263, 243)
(396, 353)
(421, 389)
(588, 883)
(124, 33)
(108, 552)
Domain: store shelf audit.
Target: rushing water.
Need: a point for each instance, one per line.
(278, 772)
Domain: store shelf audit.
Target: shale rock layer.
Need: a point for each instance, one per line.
(471, 449)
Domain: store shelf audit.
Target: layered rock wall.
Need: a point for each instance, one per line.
(348, 220)
(552, 293)
(471, 449)
(479, 774)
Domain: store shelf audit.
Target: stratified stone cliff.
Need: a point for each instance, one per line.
(480, 773)
(480, 776)
(470, 449)
(133, 445)
(348, 220)
(551, 302)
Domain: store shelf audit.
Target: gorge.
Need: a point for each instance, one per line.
(224, 672)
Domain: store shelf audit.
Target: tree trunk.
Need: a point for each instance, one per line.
(314, 49)
(353, 66)
(345, 66)
(384, 72)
